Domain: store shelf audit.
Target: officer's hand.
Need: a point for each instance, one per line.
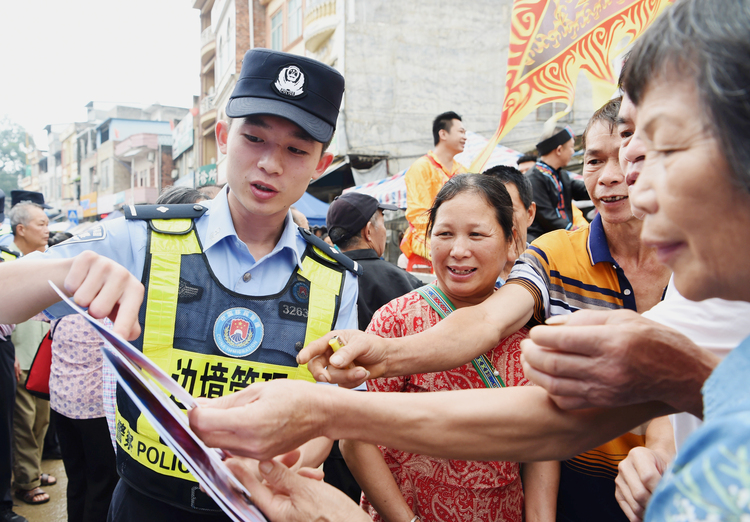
(265, 419)
(17, 369)
(364, 356)
(108, 290)
(295, 497)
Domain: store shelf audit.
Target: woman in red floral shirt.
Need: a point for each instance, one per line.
(471, 227)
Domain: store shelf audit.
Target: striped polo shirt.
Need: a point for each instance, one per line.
(568, 271)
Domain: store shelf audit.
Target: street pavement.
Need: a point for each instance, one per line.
(56, 509)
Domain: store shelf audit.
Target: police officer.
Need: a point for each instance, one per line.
(233, 288)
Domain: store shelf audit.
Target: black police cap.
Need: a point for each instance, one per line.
(300, 89)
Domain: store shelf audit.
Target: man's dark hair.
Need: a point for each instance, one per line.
(489, 188)
(443, 122)
(606, 114)
(706, 44)
(507, 175)
(59, 237)
(526, 157)
(179, 195)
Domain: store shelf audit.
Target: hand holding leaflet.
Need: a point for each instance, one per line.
(170, 422)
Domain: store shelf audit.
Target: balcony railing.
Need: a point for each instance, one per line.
(207, 104)
(207, 36)
(317, 9)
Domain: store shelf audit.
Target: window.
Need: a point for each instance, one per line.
(547, 110)
(104, 177)
(227, 43)
(220, 55)
(277, 28)
(294, 20)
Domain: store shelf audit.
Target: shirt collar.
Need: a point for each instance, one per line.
(553, 169)
(362, 253)
(597, 243)
(220, 225)
(453, 167)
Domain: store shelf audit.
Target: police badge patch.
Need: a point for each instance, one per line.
(238, 332)
(301, 292)
(291, 82)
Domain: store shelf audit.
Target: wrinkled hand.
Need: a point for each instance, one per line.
(17, 369)
(286, 496)
(263, 420)
(638, 476)
(368, 352)
(108, 290)
(606, 359)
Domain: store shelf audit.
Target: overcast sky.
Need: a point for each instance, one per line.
(58, 55)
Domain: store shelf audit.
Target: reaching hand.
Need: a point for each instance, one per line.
(606, 359)
(263, 420)
(638, 476)
(108, 290)
(286, 496)
(367, 351)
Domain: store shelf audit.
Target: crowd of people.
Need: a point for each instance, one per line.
(621, 322)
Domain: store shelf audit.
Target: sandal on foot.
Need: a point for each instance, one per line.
(47, 479)
(29, 496)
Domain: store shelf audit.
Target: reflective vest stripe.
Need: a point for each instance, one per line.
(200, 374)
(149, 452)
(325, 285)
(7, 256)
(164, 285)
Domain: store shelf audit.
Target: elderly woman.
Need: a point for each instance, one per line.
(689, 79)
(471, 236)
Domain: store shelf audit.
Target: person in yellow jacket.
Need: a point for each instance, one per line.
(426, 177)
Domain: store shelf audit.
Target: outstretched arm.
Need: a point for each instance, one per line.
(106, 288)
(454, 341)
(515, 424)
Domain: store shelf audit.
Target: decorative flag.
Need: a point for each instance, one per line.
(551, 41)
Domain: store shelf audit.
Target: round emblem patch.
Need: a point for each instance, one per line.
(238, 332)
(290, 82)
(301, 292)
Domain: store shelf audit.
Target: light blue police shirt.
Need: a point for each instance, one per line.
(125, 242)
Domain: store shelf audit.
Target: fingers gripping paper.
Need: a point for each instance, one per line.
(141, 379)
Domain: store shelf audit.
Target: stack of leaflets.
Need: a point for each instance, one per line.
(139, 376)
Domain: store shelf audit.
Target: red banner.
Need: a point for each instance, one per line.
(551, 41)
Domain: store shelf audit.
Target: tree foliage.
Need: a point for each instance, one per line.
(13, 149)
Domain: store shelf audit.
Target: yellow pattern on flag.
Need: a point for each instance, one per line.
(551, 41)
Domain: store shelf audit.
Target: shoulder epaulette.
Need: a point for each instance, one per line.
(148, 212)
(9, 251)
(348, 263)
